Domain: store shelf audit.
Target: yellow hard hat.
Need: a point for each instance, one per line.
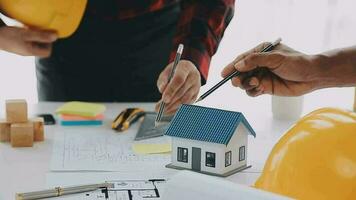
(62, 16)
(315, 159)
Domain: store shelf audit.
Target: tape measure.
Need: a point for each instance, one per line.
(126, 118)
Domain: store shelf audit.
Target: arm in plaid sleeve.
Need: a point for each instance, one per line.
(200, 28)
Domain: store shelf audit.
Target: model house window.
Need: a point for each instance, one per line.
(242, 153)
(227, 158)
(210, 159)
(182, 154)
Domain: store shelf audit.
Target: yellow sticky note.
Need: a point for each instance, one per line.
(81, 108)
(151, 148)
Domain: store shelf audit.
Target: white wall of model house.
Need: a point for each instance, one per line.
(238, 139)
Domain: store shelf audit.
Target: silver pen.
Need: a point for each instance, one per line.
(59, 191)
(176, 61)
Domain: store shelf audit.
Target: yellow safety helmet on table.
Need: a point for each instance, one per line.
(315, 159)
(62, 16)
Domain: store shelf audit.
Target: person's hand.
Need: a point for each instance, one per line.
(282, 71)
(183, 87)
(26, 42)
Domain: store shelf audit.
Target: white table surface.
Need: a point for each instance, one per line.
(25, 169)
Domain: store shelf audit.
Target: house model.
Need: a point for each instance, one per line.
(208, 140)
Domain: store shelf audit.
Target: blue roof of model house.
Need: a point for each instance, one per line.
(206, 124)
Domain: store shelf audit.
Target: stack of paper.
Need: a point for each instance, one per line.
(80, 113)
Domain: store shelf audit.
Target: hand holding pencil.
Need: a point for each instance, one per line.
(182, 88)
(230, 72)
(282, 71)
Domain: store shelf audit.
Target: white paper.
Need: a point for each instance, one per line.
(135, 182)
(65, 179)
(123, 190)
(95, 149)
(62, 179)
(190, 185)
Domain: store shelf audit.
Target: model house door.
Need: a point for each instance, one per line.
(196, 159)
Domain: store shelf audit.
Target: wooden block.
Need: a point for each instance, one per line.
(21, 134)
(16, 111)
(38, 128)
(4, 131)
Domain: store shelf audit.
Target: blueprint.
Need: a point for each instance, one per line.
(124, 190)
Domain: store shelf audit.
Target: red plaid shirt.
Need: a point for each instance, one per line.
(200, 27)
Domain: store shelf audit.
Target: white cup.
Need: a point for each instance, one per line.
(287, 108)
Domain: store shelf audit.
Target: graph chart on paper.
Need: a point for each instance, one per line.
(100, 151)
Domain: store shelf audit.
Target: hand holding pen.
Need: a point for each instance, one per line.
(230, 71)
(182, 88)
(283, 72)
